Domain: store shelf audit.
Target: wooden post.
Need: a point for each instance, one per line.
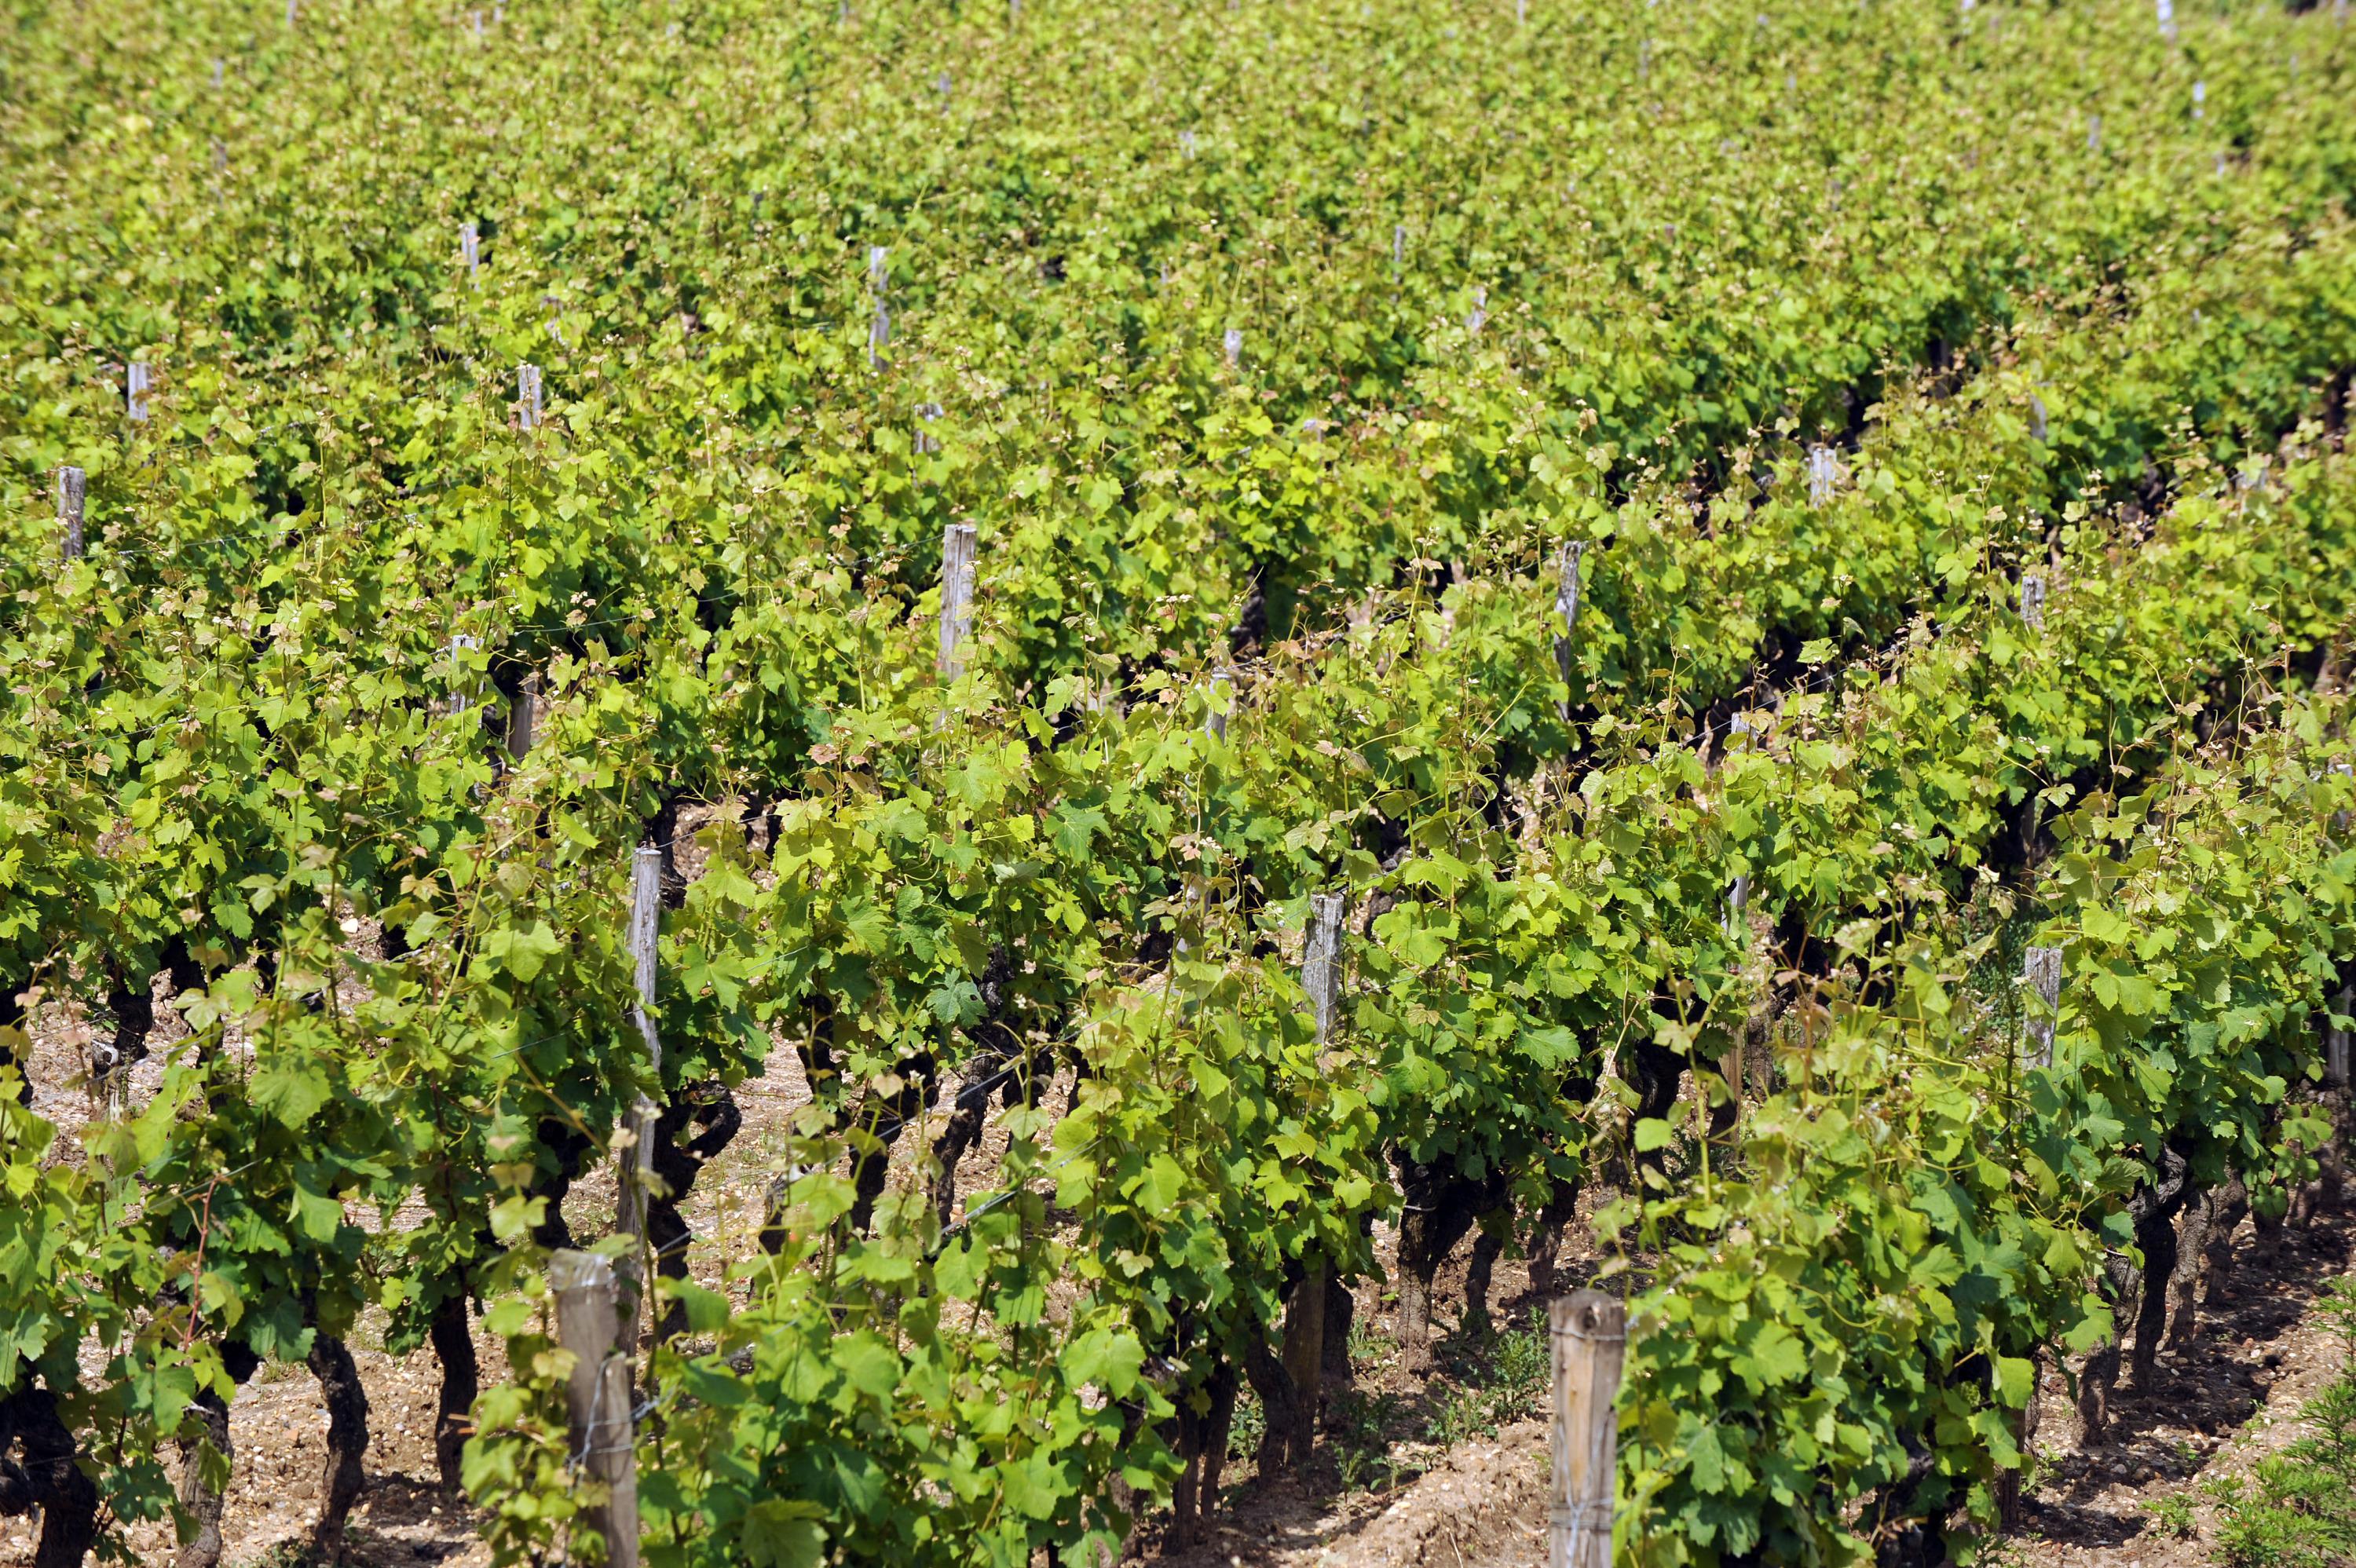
(1588, 1331)
(1321, 960)
(638, 1165)
(1480, 315)
(1215, 720)
(2032, 600)
(2094, 132)
(2038, 424)
(598, 1397)
(2335, 1039)
(1566, 604)
(928, 443)
(2040, 971)
(1186, 144)
(879, 333)
(1398, 251)
(137, 379)
(527, 397)
(1235, 346)
(523, 717)
(72, 485)
(460, 643)
(1824, 470)
(956, 597)
(470, 246)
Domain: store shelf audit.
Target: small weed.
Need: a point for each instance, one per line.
(1249, 1425)
(2171, 1516)
(1358, 1429)
(1462, 1415)
(1519, 1368)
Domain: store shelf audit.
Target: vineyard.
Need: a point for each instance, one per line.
(1233, 650)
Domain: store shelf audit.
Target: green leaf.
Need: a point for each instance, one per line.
(781, 1532)
(290, 1088)
(707, 1309)
(1107, 1355)
(317, 1215)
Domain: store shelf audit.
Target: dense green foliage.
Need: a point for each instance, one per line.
(1823, 329)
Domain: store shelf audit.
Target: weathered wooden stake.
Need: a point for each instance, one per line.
(598, 1397)
(1479, 316)
(2040, 971)
(470, 246)
(1566, 604)
(2335, 1039)
(2032, 598)
(927, 442)
(1321, 959)
(879, 332)
(1824, 472)
(638, 1165)
(2094, 132)
(1235, 346)
(527, 397)
(137, 379)
(1588, 1331)
(460, 643)
(956, 597)
(522, 717)
(2037, 424)
(72, 485)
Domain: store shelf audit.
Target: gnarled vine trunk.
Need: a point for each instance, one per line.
(344, 1472)
(454, 1346)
